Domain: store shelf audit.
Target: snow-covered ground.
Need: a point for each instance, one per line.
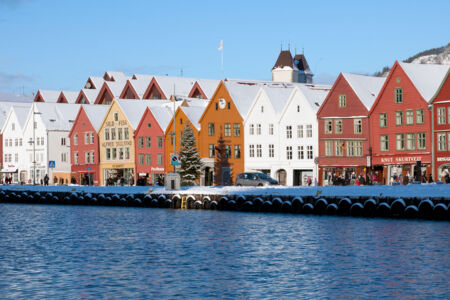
(414, 190)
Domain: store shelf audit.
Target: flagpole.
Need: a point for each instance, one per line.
(222, 64)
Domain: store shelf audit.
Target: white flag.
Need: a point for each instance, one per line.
(220, 46)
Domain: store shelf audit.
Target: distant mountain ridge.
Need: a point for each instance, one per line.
(440, 56)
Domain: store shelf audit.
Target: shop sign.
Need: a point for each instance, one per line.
(117, 144)
(368, 161)
(401, 159)
(117, 166)
(443, 159)
(156, 169)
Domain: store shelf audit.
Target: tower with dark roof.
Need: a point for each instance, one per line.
(291, 69)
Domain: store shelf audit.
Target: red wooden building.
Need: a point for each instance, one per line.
(400, 121)
(344, 143)
(84, 144)
(149, 142)
(441, 129)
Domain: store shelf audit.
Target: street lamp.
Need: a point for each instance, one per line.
(34, 144)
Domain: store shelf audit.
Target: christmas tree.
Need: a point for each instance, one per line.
(189, 157)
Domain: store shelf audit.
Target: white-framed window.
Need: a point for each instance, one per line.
(409, 117)
(252, 150)
(262, 108)
(400, 141)
(75, 139)
(339, 147)
(121, 153)
(92, 138)
(289, 132)
(354, 148)
(92, 157)
(289, 152)
(357, 126)
(441, 115)
(270, 129)
(13, 126)
(38, 142)
(300, 152)
(227, 129)
(141, 159)
(63, 157)
(114, 153)
(399, 118)
(148, 159)
(87, 157)
(299, 131)
(211, 130)
(258, 150)
(63, 141)
(383, 120)
(328, 148)
(159, 159)
(148, 142)
(113, 134)
(20, 142)
(126, 134)
(252, 129)
(309, 150)
(342, 100)
(16, 157)
(338, 126)
(86, 138)
(309, 130)
(258, 129)
(421, 140)
(441, 141)
(211, 149)
(75, 158)
(410, 141)
(120, 133)
(237, 151)
(140, 142)
(328, 126)
(420, 116)
(127, 153)
(107, 136)
(159, 141)
(398, 95)
(384, 143)
(237, 129)
(16, 142)
(271, 150)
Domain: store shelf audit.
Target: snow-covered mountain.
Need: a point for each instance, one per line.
(440, 56)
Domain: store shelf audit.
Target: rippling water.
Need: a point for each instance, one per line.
(90, 252)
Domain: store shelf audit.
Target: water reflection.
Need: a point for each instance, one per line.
(90, 252)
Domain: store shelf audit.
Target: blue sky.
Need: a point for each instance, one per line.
(59, 44)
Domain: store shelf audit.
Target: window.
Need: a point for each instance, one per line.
(410, 141)
(398, 95)
(141, 159)
(92, 137)
(441, 115)
(262, 109)
(420, 116)
(87, 156)
(354, 148)
(309, 150)
(237, 129)
(211, 150)
(357, 126)
(252, 150)
(270, 129)
(75, 158)
(258, 129)
(342, 101)
(108, 153)
(127, 153)
(258, 151)
(114, 153)
(63, 142)
(227, 129)
(237, 151)
(339, 148)
(400, 141)
(16, 157)
(148, 159)
(441, 142)
(75, 139)
(211, 129)
(16, 142)
(289, 132)
(42, 141)
(299, 131)
(92, 157)
(398, 118)
(300, 152)
(271, 150)
(409, 117)
(126, 134)
(20, 142)
(228, 151)
(328, 126)
(86, 138)
(421, 141)
(63, 157)
(384, 143)
(309, 131)
(448, 115)
(121, 153)
(38, 142)
(289, 152)
(181, 121)
(383, 120)
(140, 142)
(149, 125)
(229, 106)
(13, 126)
(160, 142)
(298, 108)
(116, 116)
(107, 134)
(252, 129)
(148, 142)
(338, 126)
(328, 148)
(172, 139)
(113, 134)
(119, 134)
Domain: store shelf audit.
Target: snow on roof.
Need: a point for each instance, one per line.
(96, 114)
(140, 85)
(134, 109)
(181, 85)
(5, 106)
(315, 94)
(16, 97)
(208, 86)
(163, 115)
(142, 76)
(50, 96)
(91, 94)
(56, 116)
(22, 113)
(193, 113)
(71, 97)
(116, 87)
(193, 101)
(242, 95)
(426, 77)
(278, 97)
(365, 87)
(96, 81)
(116, 76)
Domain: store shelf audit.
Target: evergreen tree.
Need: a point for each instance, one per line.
(190, 160)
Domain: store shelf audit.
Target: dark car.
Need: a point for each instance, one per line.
(254, 179)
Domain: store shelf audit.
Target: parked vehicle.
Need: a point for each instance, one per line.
(254, 179)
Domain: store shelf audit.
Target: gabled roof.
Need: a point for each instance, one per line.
(49, 96)
(134, 110)
(97, 83)
(139, 85)
(284, 60)
(426, 77)
(163, 115)
(15, 97)
(242, 95)
(208, 86)
(90, 94)
(193, 113)
(175, 85)
(440, 86)
(115, 76)
(96, 114)
(142, 76)
(315, 94)
(365, 87)
(21, 113)
(56, 116)
(278, 97)
(5, 107)
(70, 97)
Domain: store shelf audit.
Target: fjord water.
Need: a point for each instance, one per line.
(60, 252)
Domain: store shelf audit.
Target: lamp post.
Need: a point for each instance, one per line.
(34, 144)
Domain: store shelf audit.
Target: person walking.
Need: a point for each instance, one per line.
(46, 179)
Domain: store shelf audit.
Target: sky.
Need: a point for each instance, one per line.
(57, 45)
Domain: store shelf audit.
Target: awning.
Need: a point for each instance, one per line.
(10, 170)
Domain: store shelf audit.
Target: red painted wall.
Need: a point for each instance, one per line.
(80, 126)
(442, 157)
(1, 150)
